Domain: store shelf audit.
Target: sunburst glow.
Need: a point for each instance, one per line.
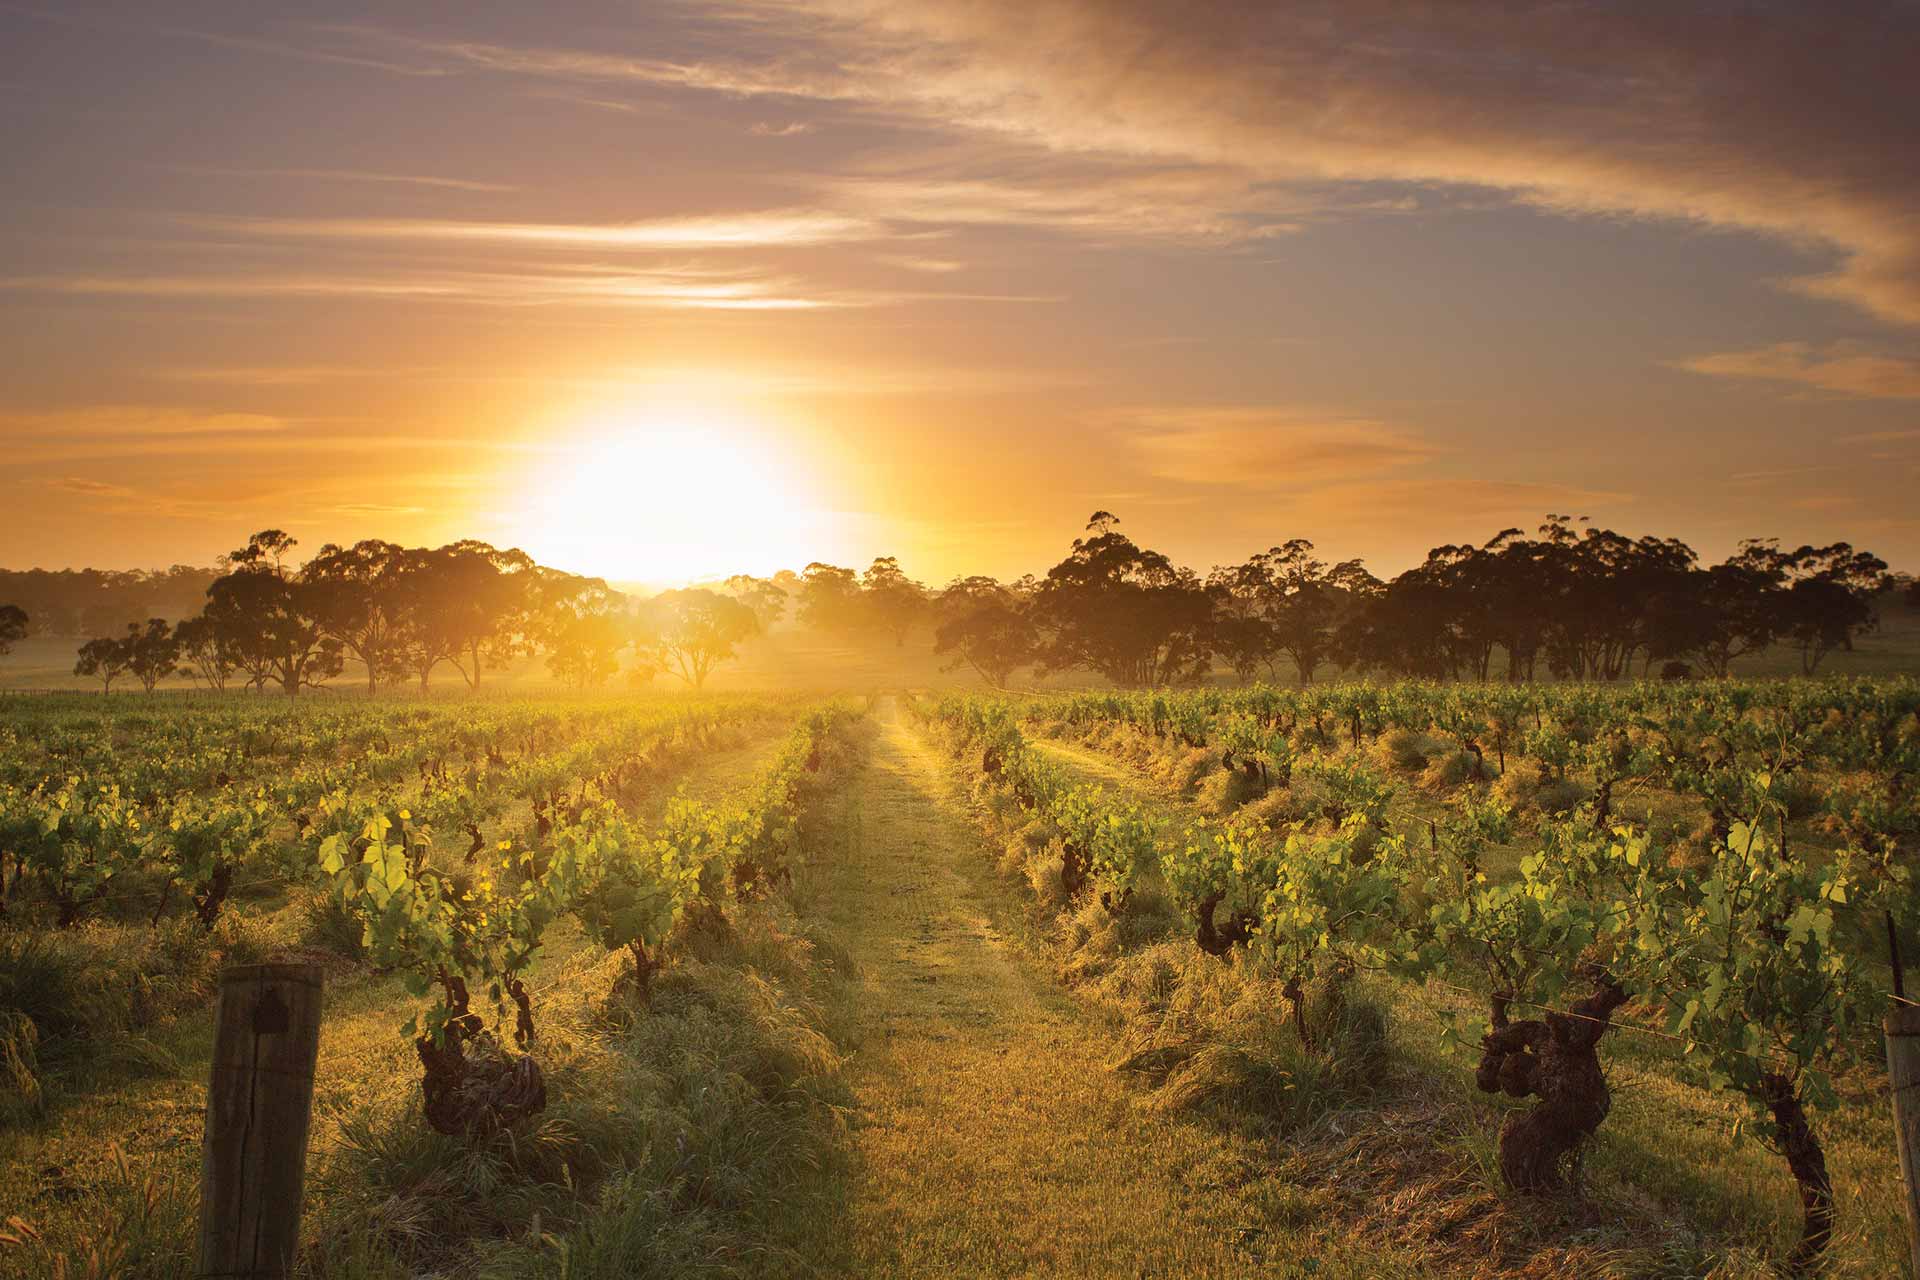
(670, 491)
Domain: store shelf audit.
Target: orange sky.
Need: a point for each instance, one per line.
(661, 290)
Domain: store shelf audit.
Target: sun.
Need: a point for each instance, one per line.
(663, 493)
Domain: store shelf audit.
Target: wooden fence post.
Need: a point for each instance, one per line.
(259, 1102)
(1903, 1071)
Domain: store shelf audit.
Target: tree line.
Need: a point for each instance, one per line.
(404, 613)
(1572, 601)
(1569, 601)
(94, 602)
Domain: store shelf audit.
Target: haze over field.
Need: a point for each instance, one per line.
(658, 291)
(743, 639)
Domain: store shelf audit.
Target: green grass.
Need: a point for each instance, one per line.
(994, 1136)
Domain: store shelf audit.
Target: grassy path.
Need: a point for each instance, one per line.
(990, 1137)
(1090, 763)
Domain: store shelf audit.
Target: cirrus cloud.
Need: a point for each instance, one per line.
(1841, 369)
(1265, 447)
(1781, 119)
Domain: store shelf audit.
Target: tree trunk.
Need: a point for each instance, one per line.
(1809, 1165)
(1218, 939)
(1297, 997)
(1553, 1059)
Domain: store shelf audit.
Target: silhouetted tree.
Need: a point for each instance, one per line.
(985, 626)
(695, 629)
(355, 596)
(1307, 601)
(1829, 599)
(265, 619)
(584, 649)
(1125, 612)
(765, 596)
(830, 598)
(893, 601)
(204, 647)
(486, 605)
(1242, 634)
(1728, 611)
(13, 627)
(104, 658)
(152, 652)
(266, 550)
(580, 622)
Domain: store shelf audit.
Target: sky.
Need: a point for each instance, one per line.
(662, 290)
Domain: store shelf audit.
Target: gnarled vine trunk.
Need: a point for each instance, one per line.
(1218, 939)
(471, 1085)
(1809, 1165)
(213, 894)
(1553, 1059)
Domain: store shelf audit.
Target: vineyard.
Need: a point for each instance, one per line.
(1364, 979)
(1705, 881)
(498, 889)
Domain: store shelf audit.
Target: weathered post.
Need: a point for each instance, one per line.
(1903, 1068)
(259, 1103)
(1903, 1076)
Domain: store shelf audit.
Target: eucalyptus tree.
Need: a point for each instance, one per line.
(830, 598)
(691, 631)
(987, 626)
(152, 652)
(1124, 611)
(765, 596)
(103, 658)
(1829, 599)
(13, 627)
(266, 619)
(580, 622)
(357, 597)
(892, 602)
(204, 647)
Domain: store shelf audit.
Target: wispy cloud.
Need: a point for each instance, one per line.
(915, 262)
(1266, 447)
(1882, 437)
(1838, 368)
(789, 74)
(302, 51)
(375, 509)
(1692, 110)
(147, 421)
(1413, 502)
(349, 175)
(684, 289)
(1108, 201)
(780, 227)
(603, 286)
(120, 499)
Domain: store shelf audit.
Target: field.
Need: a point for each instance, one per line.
(796, 657)
(943, 983)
